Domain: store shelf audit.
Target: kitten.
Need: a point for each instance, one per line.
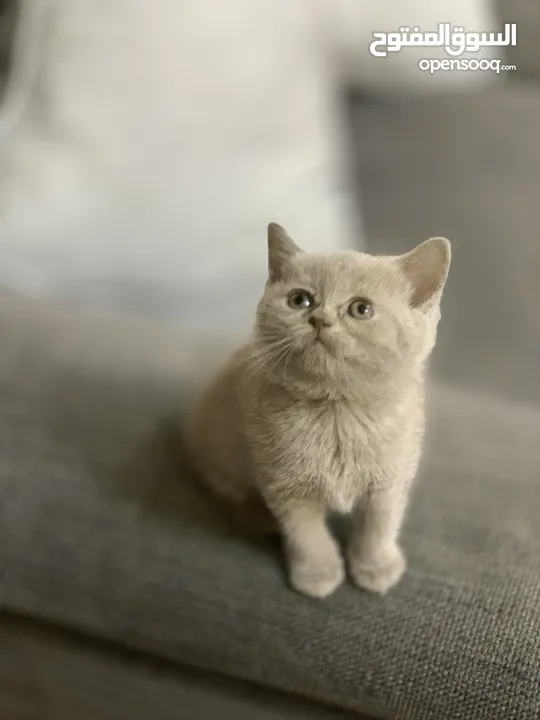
(324, 408)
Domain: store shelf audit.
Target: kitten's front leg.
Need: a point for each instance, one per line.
(314, 560)
(376, 561)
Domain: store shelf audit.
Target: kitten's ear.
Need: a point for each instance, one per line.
(280, 250)
(426, 268)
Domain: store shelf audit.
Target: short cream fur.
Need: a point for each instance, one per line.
(323, 409)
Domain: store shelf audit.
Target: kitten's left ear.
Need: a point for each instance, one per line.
(426, 268)
(280, 251)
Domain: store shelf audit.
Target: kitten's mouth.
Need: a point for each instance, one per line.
(319, 341)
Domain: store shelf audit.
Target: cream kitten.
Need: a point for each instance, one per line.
(324, 408)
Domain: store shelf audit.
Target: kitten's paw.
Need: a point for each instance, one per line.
(378, 574)
(317, 579)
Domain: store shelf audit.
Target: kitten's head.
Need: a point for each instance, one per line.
(349, 315)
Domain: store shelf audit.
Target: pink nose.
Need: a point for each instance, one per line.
(318, 322)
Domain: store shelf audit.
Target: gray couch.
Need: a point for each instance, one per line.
(126, 593)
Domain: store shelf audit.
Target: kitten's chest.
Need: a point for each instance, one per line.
(337, 451)
(348, 441)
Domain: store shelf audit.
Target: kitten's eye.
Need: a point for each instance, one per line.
(361, 309)
(300, 300)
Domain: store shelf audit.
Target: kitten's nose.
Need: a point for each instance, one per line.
(318, 322)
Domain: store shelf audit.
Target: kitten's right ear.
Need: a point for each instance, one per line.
(280, 251)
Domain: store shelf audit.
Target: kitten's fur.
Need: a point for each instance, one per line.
(330, 425)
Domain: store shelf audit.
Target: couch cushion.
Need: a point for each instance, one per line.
(50, 675)
(102, 530)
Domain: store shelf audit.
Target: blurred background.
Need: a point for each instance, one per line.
(145, 146)
(144, 152)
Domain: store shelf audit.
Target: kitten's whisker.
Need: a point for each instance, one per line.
(274, 358)
(264, 351)
(281, 356)
(288, 359)
(267, 354)
(262, 357)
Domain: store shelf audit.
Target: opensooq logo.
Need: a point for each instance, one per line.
(454, 40)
